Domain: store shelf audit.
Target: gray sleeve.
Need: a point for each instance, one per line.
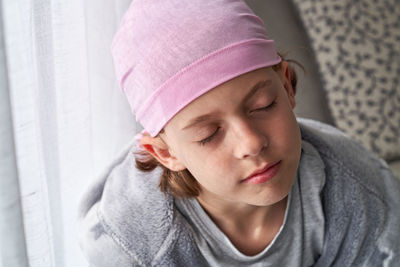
(99, 247)
(388, 247)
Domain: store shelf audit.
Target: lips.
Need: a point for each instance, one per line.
(264, 174)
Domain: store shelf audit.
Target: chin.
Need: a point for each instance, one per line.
(274, 194)
(270, 200)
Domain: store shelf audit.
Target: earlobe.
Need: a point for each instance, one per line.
(160, 151)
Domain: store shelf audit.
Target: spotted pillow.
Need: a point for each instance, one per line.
(357, 48)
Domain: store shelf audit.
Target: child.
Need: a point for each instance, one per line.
(225, 174)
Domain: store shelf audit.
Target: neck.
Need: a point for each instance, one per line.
(250, 228)
(243, 218)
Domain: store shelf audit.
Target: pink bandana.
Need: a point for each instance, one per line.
(169, 52)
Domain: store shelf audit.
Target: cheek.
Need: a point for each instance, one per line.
(286, 132)
(203, 163)
(209, 168)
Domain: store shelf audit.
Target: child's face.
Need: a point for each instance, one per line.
(244, 130)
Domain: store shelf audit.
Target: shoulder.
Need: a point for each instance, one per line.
(360, 198)
(125, 220)
(345, 158)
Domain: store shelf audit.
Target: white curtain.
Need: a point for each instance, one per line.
(62, 119)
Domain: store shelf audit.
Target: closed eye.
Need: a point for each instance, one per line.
(208, 139)
(265, 108)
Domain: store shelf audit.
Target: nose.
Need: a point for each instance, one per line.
(249, 141)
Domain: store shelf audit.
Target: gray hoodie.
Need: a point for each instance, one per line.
(125, 220)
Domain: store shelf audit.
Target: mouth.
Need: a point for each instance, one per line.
(263, 175)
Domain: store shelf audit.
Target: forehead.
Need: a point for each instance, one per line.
(215, 101)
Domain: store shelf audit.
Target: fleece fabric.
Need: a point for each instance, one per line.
(126, 221)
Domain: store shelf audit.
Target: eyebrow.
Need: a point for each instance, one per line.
(206, 117)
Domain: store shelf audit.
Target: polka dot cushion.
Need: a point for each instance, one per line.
(357, 48)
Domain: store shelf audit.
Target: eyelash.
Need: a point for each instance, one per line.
(208, 139)
(267, 107)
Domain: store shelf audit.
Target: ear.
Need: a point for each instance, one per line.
(286, 80)
(160, 150)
